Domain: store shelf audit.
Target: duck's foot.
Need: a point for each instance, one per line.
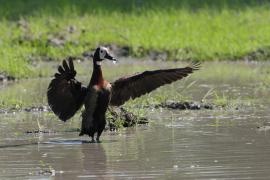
(87, 130)
(81, 133)
(97, 140)
(92, 141)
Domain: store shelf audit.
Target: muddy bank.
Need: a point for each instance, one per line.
(128, 117)
(47, 131)
(120, 117)
(26, 109)
(118, 112)
(181, 54)
(262, 53)
(5, 77)
(122, 113)
(184, 105)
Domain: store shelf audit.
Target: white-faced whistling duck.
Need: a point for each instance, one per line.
(66, 95)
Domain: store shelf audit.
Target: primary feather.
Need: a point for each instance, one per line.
(66, 94)
(137, 85)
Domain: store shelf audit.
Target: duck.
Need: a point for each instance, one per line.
(66, 95)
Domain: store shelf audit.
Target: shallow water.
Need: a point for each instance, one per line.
(184, 145)
(205, 144)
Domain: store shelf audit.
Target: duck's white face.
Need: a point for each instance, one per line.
(102, 52)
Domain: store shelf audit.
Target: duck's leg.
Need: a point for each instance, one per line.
(87, 116)
(92, 139)
(98, 136)
(101, 127)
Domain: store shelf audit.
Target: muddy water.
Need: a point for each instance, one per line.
(208, 144)
(176, 145)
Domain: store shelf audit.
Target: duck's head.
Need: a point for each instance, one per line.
(101, 54)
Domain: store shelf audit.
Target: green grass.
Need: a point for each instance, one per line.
(186, 30)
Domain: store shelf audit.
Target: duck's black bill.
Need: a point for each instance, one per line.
(109, 57)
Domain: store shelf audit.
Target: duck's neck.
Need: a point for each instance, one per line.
(97, 77)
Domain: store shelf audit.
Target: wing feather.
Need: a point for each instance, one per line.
(137, 85)
(65, 94)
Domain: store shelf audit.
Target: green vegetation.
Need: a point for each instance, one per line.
(33, 30)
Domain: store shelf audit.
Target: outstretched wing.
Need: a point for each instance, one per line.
(134, 86)
(65, 94)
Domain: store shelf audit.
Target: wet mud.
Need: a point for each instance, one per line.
(185, 105)
(4, 78)
(127, 118)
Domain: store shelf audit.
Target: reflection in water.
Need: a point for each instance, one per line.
(94, 161)
(81, 160)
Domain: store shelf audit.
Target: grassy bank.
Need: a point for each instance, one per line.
(185, 30)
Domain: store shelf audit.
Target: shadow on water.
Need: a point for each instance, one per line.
(76, 142)
(68, 142)
(55, 142)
